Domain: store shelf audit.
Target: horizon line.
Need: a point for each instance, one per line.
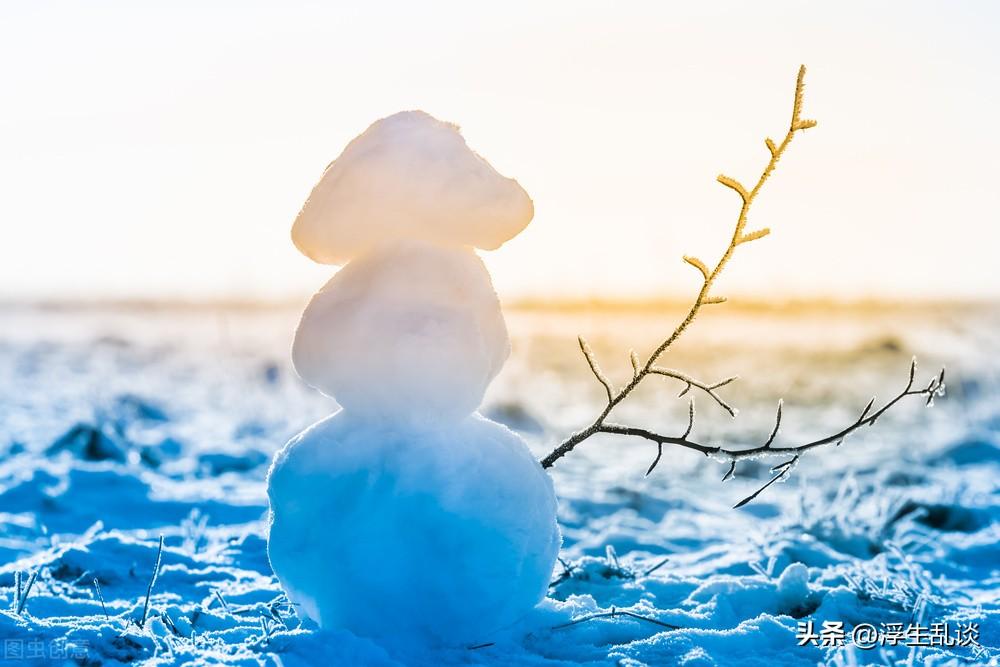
(529, 304)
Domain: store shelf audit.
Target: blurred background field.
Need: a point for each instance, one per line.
(219, 366)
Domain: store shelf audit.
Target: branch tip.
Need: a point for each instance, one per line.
(799, 90)
(690, 425)
(777, 425)
(753, 236)
(588, 354)
(698, 264)
(723, 383)
(864, 413)
(659, 454)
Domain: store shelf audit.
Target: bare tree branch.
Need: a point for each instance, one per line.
(642, 370)
(703, 298)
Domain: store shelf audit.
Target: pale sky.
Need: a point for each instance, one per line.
(163, 150)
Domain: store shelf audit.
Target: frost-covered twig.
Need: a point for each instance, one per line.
(641, 370)
(704, 298)
(707, 388)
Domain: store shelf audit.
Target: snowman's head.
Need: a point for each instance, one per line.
(408, 176)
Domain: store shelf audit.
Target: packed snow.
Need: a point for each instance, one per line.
(411, 330)
(117, 427)
(409, 176)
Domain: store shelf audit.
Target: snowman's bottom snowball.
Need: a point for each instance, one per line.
(446, 533)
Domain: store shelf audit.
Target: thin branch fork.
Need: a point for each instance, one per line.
(704, 297)
(691, 382)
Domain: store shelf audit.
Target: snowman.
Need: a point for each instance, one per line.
(406, 515)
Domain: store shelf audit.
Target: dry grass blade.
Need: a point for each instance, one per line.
(22, 598)
(656, 567)
(615, 613)
(152, 581)
(265, 629)
(222, 601)
(100, 596)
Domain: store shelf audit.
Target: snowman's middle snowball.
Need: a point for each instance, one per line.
(413, 330)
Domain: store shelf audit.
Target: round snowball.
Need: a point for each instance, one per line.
(440, 534)
(408, 176)
(411, 331)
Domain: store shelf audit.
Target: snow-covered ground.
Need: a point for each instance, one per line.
(118, 426)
